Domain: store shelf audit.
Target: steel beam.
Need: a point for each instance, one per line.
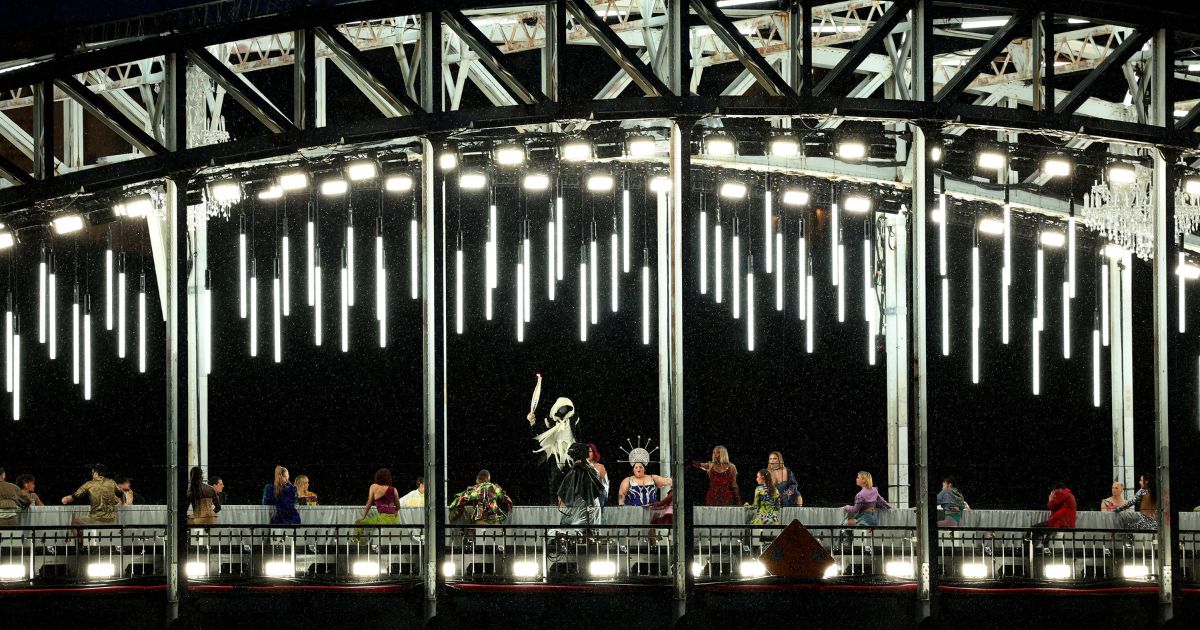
(352, 61)
(556, 37)
(107, 114)
(491, 56)
(240, 89)
(727, 32)
(983, 57)
(618, 50)
(1117, 58)
(304, 79)
(43, 130)
(14, 173)
(880, 29)
(671, 232)
(678, 44)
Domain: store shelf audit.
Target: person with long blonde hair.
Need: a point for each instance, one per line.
(280, 495)
(304, 496)
(722, 479)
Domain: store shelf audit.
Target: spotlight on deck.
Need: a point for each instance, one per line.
(1121, 173)
(576, 150)
(784, 146)
(9, 572)
(899, 569)
(68, 223)
(1057, 571)
(195, 569)
(399, 182)
(640, 146)
(751, 569)
(602, 568)
(525, 569)
(795, 197)
(935, 153)
(698, 568)
(280, 568)
(472, 180)
(1135, 572)
(1053, 239)
(976, 570)
(449, 568)
(363, 169)
(101, 570)
(832, 571)
(719, 144)
(365, 568)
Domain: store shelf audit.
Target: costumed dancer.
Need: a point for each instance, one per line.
(554, 436)
(580, 490)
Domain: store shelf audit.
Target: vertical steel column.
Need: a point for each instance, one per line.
(896, 302)
(176, 351)
(432, 327)
(663, 286)
(1165, 314)
(922, 90)
(806, 39)
(304, 84)
(1120, 282)
(43, 130)
(556, 36)
(72, 119)
(1048, 59)
(320, 100)
(681, 185)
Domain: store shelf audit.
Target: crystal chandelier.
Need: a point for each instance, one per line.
(1124, 213)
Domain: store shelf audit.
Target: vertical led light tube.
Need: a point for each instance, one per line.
(312, 260)
(380, 278)
(42, 291)
(802, 272)
(558, 232)
(75, 335)
(551, 260)
(1041, 289)
(1104, 303)
(868, 288)
(458, 289)
(121, 307)
(945, 317)
(811, 321)
(8, 347)
(521, 302)
(594, 282)
(736, 260)
(1006, 275)
(975, 314)
(1037, 356)
(1096, 361)
(614, 279)
(1182, 293)
(16, 349)
(205, 315)
(1066, 326)
(835, 239)
(841, 285)
(277, 313)
(942, 234)
(345, 304)
(317, 323)
(768, 227)
(52, 308)
(750, 304)
(526, 283)
(142, 323)
(493, 239)
(242, 262)
(779, 271)
(414, 257)
(624, 239)
(703, 252)
(108, 284)
(87, 348)
(254, 307)
(583, 296)
(1071, 252)
(284, 273)
(348, 259)
(645, 296)
(718, 270)
(489, 254)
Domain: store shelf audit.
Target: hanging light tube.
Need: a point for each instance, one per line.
(768, 226)
(42, 271)
(312, 246)
(945, 316)
(802, 271)
(1037, 357)
(414, 257)
(87, 348)
(276, 313)
(458, 289)
(868, 288)
(1041, 288)
(121, 306)
(551, 260)
(835, 237)
(526, 273)
(1104, 326)
(16, 361)
(108, 284)
(8, 345)
(1071, 252)
(489, 255)
(520, 302)
(254, 307)
(583, 295)
(841, 285)
(1182, 280)
(52, 308)
(811, 321)
(380, 286)
(736, 259)
(558, 232)
(75, 335)
(645, 296)
(942, 235)
(703, 251)
(1006, 274)
(142, 323)
(1066, 302)
(1095, 362)
(205, 314)
(779, 270)
(284, 275)
(975, 314)
(242, 261)
(345, 304)
(717, 262)
(750, 303)
(348, 258)
(614, 280)
(624, 237)
(317, 324)
(594, 265)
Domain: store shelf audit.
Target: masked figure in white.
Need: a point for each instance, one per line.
(555, 435)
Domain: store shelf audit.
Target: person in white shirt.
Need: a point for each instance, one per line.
(416, 498)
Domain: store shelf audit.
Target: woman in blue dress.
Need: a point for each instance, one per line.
(640, 488)
(281, 496)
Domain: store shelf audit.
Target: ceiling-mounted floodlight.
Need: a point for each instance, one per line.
(660, 184)
(472, 180)
(1053, 239)
(139, 206)
(576, 150)
(6, 240)
(784, 146)
(995, 227)
(68, 223)
(272, 192)
(599, 182)
(1057, 165)
(399, 182)
(984, 23)
(733, 190)
(536, 181)
(225, 191)
(1187, 271)
(294, 180)
(363, 169)
(640, 146)
(851, 149)
(448, 160)
(935, 153)
(795, 197)
(857, 204)
(992, 159)
(1115, 252)
(509, 154)
(331, 187)
(1122, 173)
(1191, 185)
(720, 144)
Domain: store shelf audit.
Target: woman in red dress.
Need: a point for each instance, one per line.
(722, 479)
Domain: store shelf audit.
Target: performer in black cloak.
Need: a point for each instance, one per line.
(580, 490)
(555, 435)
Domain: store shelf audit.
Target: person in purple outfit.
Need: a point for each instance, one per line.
(864, 512)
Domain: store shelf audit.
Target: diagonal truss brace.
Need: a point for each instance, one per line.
(1132, 44)
(882, 28)
(490, 56)
(108, 114)
(237, 87)
(620, 52)
(727, 32)
(14, 173)
(351, 60)
(983, 57)
(1190, 120)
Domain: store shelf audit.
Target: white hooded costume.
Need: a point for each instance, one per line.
(555, 442)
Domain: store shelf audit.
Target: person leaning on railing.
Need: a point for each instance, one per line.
(203, 499)
(13, 500)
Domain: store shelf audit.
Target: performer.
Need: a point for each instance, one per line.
(580, 489)
(555, 435)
